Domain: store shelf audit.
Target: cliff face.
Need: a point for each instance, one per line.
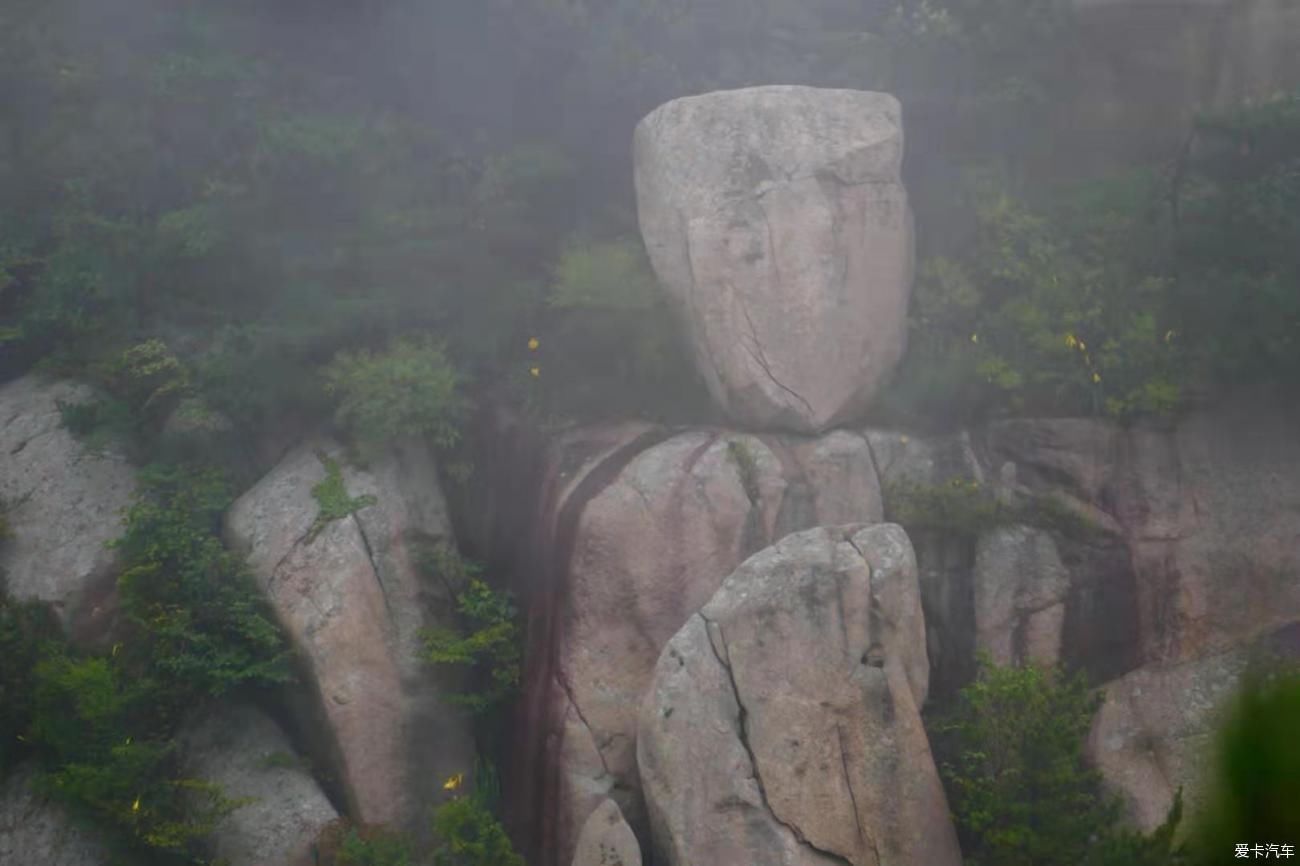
(1178, 554)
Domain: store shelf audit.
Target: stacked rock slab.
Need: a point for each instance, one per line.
(776, 221)
(642, 529)
(782, 727)
(353, 598)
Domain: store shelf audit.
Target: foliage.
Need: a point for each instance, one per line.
(1254, 785)
(342, 844)
(966, 508)
(471, 836)
(1021, 788)
(487, 639)
(28, 632)
(332, 497)
(409, 390)
(103, 724)
(1048, 313)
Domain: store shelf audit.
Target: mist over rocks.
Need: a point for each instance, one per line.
(776, 220)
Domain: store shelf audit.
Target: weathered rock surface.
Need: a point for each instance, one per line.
(782, 725)
(607, 840)
(776, 219)
(638, 532)
(1020, 587)
(247, 754)
(653, 547)
(353, 599)
(1155, 732)
(63, 504)
(1143, 69)
(36, 830)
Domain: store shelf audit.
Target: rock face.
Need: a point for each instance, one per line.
(776, 220)
(1155, 731)
(782, 725)
(607, 840)
(638, 532)
(62, 503)
(1143, 69)
(248, 755)
(1020, 587)
(36, 830)
(353, 599)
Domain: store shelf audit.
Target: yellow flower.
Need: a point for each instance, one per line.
(1083, 347)
(974, 338)
(533, 343)
(454, 782)
(1071, 341)
(135, 807)
(534, 371)
(1096, 378)
(117, 647)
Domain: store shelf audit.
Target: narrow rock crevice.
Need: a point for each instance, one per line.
(374, 566)
(853, 797)
(756, 354)
(742, 733)
(577, 709)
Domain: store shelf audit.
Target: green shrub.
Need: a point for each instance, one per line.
(341, 843)
(967, 509)
(29, 632)
(487, 639)
(470, 835)
(1253, 795)
(1021, 788)
(409, 390)
(332, 497)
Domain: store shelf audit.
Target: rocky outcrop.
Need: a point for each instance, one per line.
(63, 504)
(650, 549)
(782, 725)
(353, 598)
(607, 840)
(247, 754)
(35, 829)
(637, 531)
(1155, 732)
(777, 222)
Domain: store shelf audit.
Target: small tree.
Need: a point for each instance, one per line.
(410, 390)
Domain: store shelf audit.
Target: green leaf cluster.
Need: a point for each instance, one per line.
(1021, 788)
(486, 641)
(332, 497)
(408, 390)
(965, 508)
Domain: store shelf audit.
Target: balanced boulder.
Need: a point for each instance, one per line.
(776, 220)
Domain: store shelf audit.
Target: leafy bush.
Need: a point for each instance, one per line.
(409, 390)
(1021, 788)
(487, 640)
(29, 632)
(471, 836)
(332, 497)
(1254, 787)
(342, 844)
(103, 725)
(965, 508)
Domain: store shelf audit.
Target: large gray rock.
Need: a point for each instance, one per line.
(353, 599)
(247, 754)
(63, 504)
(1156, 731)
(607, 840)
(782, 725)
(776, 219)
(36, 830)
(648, 548)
